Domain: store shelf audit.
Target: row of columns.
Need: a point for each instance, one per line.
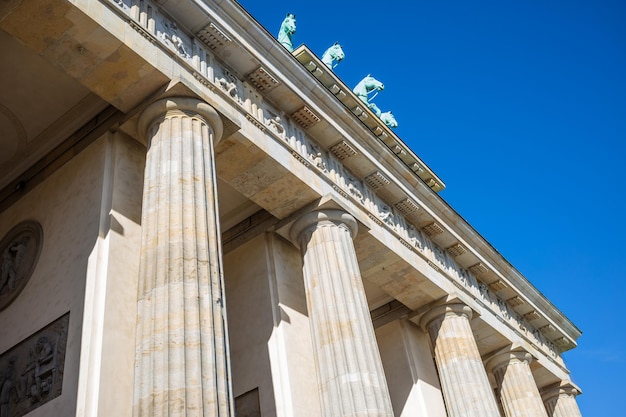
(463, 375)
(182, 361)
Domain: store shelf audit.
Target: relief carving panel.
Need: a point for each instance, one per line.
(31, 372)
(19, 251)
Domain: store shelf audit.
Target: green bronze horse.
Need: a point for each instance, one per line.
(389, 119)
(287, 29)
(332, 54)
(386, 117)
(367, 85)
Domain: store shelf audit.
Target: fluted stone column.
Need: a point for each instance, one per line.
(350, 371)
(464, 382)
(182, 362)
(560, 400)
(518, 391)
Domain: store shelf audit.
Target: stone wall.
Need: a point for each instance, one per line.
(89, 213)
(268, 326)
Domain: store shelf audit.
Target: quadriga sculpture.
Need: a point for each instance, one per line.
(287, 29)
(332, 54)
(366, 86)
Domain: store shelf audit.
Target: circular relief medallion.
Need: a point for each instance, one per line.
(19, 251)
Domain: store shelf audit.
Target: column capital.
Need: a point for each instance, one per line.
(564, 388)
(455, 307)
(181, 105)
(311, 219)
(509, 356)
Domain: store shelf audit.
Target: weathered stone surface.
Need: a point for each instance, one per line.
(560, 400)
(351, 377)
(464, 381)
(182, 347)
(516, 387)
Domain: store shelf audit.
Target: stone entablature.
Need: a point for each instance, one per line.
(247, 94)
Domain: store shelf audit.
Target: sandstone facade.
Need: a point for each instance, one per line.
(226, 230)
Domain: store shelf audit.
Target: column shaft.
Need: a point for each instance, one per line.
(182, 359)
(517, 388)
(350, 372)
(464, 382)
(560, 401)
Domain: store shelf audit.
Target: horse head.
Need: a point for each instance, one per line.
(287, 29)
(388, 119)
(372, 84)
(289, 24)
(334, 53)
(366, 86)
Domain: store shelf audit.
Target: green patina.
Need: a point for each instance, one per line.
(287, 30)
(332, 54)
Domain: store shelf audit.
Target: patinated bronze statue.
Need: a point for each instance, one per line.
(366, 86)
(333, 56)
(287, 30)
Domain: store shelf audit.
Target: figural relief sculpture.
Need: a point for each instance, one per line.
(31, 372)
(19, 251)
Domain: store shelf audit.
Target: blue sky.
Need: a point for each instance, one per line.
(520, 108)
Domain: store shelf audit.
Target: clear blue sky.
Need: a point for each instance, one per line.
(520, 108)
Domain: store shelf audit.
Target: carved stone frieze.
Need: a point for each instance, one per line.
(276, 126)
(122, 4)
(440, 256)
(31, 372)
(354, 188)
(415, 237)
(19, 251)
(228, 83)
(317, 157)
(168, 32)
(386, 214)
